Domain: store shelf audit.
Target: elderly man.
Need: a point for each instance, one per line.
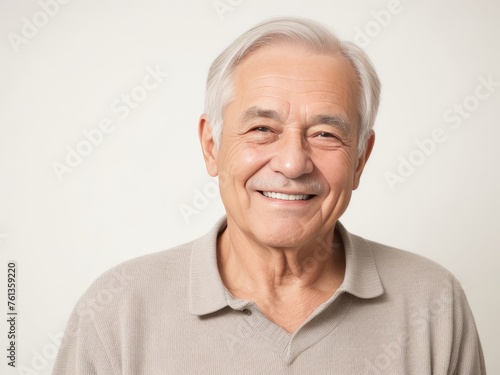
(279, 286)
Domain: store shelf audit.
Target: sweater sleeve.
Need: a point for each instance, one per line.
(467, 355)
(82, 351)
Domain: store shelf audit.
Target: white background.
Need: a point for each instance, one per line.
(123, 199)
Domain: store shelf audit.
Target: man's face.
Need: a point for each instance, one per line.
(287, 161)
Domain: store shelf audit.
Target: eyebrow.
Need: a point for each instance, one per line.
(335, 121)
(256, 112)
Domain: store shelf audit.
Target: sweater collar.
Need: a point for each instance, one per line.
(361, 277)
(208, 294)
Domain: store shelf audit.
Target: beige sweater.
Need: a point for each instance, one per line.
(169, 313)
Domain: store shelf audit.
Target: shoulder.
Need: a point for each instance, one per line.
(411, 276)
(425, 308)
(158, 278)
(394, 261)
(389, 256)
(135, 271)
(108, 312)
(148, 277)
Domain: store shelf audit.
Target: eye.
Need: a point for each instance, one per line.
(261, 134)
(261, 129)
(326, 135)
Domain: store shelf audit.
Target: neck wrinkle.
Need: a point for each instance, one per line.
(255, 272)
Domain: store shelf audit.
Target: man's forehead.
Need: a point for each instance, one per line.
(295, 69)
(280, 92)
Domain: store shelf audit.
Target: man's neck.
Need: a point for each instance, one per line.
(287, 284)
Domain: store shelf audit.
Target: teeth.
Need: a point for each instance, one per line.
(286, 197)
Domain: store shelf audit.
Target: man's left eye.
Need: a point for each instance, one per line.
(326, 135)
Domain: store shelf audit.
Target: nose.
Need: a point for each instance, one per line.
(292, 156)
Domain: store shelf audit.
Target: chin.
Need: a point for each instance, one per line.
(283, 233)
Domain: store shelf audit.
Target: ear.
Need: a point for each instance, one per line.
(363, 158)
(208, 146)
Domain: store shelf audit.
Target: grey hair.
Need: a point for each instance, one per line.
(307, 33)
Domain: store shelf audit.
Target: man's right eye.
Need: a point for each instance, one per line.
(262, 129)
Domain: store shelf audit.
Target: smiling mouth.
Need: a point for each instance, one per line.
(286, 197)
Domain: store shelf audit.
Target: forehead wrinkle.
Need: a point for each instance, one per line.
(337, 89)
(273, 91)
(271, 87)
(286, 78)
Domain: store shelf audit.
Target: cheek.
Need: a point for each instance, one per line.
(338, 170)
(240, 163)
